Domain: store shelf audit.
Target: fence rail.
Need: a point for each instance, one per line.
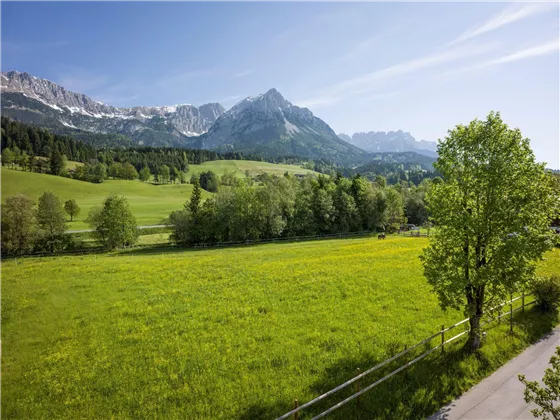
(441, 346)
(97, 249)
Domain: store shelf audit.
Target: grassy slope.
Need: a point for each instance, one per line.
(240, 166)
(189, 334)
(150, 203)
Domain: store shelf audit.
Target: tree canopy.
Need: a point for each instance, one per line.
(492, 211)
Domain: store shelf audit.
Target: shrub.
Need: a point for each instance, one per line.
(546, 291)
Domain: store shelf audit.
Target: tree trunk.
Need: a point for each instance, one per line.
(475, 298)
(474, 340)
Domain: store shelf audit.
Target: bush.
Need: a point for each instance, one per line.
(546, 291)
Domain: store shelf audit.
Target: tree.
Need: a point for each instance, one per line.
(547, 397)
(97, 173)
(129, 172)
(144, 174)
(209, 181)
(163, 174)
(56, 162)
(23, 160)
(182, 178)
(72, 208)
(196, 197)
(51, 220)
(492, 210)
(113, 223)
(19, 224)
(115, 170)
(174, 174)
(7, 156)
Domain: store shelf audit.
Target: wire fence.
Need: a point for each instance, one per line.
(162, 245)
(441, 346)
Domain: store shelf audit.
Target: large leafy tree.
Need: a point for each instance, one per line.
(113, 223)
(492, 212)
(52, 223)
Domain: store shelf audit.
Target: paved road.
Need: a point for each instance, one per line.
(139, 227)
(500, 396)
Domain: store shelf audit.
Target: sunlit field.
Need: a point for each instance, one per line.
(232, 333)
(150, 203)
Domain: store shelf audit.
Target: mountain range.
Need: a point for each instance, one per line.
(391, 141)
(266, 124)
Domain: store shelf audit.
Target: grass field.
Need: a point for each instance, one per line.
(232, 333)
(149, 203)
(240, 166)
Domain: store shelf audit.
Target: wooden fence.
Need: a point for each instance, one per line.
(100, 249)
(357, 379)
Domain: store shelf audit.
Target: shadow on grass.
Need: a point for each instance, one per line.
(420, 390)
(166, 248)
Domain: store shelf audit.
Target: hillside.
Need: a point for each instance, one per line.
(240, 166)
(150, 203)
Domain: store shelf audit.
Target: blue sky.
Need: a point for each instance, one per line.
(420, 67)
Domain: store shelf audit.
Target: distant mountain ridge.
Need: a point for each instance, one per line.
(31, 99)
(391, 141)
(270, 125)
(266, 125)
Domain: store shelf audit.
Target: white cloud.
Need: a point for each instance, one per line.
(535, 51)
(360, 49)
(370, 81)
(508, 15)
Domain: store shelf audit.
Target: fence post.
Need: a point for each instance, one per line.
(296, 414)
(406, 370)
(510, 314)
(442, 338)
(359, 388)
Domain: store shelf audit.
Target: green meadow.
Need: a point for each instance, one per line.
(239, 167)
(150, 203)
(234, 333)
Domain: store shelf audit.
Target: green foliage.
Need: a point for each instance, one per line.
(547, 397)
(492, 212)
(72, 209)
(546, 291)
(56, 162)
(7, 157)
(113, 223)
(145, 174)
(19, 225)
(284, 206)
(209, 181)
(163, 174)
(51, 221)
